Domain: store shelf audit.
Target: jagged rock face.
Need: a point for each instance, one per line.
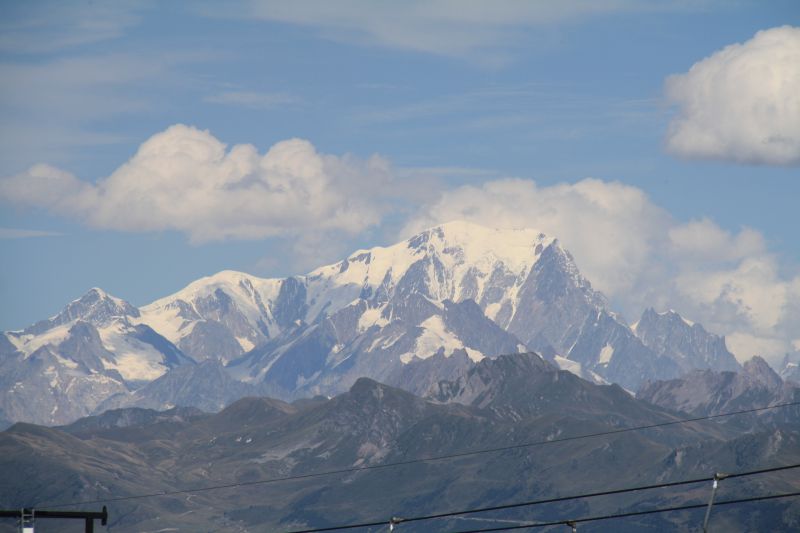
(66, 367)
(206, 385)
(608, 348)
(454, 294)
(454, 287)
(46, 388)
(554, 301)
(524, 385)
(220, 317)
(707, 392)
(95, 307)
(210, 340)
(689, 345)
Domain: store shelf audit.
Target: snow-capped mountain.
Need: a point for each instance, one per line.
(458, 286)
(63, 367)
(218, 317)
(410, 314)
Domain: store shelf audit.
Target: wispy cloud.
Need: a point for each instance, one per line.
(51, 26)
(14, 233)
(474, 30)
(50, 107)
(252, 99)
(543, 110)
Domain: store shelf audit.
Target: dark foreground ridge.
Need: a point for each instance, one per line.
(503, 404)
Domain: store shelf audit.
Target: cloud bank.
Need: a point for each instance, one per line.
(186, 180)
(742, 103)
(639, 255)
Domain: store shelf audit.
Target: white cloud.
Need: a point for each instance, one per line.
(186, 180)
(742, 103)
(600, 223)
(639, 255)
(705, 240)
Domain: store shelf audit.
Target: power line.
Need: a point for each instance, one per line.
(631, 513)
(419, 460)
(545, 501)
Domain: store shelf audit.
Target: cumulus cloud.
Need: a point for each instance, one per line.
(742, 103)
(186, 180)
(639, 255)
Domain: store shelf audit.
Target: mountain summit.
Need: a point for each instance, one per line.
(410, 314)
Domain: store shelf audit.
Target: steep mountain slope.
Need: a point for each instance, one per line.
(206, 386)
(221, 316)
(372, 425)
(62, 368)
(424, 309)
(455, 287)
(688, 344)
(707, 392)
(505, 386)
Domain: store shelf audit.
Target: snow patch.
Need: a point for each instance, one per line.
(371, 317)
(28, 344)
(474, 355)
(245, 343)
(435, 336)
(134, 359)
(569, 365)
(606, 354)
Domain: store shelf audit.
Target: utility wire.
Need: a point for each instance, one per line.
(419, 460)
(631, 513)
(549, 500)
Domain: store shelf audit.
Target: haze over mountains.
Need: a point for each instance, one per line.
(508, 400)
(408, 315)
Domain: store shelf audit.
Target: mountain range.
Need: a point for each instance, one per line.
(408, 315)
(504, 402)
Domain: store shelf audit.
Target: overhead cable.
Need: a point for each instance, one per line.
(474, 510)
(418, 460)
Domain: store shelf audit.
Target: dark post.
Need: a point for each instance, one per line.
(87, 516)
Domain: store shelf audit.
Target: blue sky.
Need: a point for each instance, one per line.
(437, 105)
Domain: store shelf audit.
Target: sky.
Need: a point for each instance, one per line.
(147, 144)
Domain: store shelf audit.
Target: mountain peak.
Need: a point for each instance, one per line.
(229, 279)
(474, 242)
(670, 315)
(688, 344)
(96, 306)
(759, 369)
